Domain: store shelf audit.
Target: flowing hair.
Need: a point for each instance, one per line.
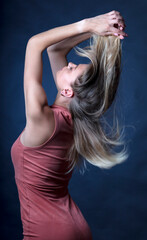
(94, 92)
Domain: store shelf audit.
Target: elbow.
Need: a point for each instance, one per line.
(50, 48)
(34, 43)
(32, 39)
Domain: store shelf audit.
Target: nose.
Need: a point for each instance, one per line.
(70, 64)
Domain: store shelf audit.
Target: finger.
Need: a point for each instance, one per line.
(123, 21)
(114, 34)
(116, 14)
(120, 36)
(120, 21)
(122, 25)
(117, 24)
(112, 12)
(117, 20)
(116, 30)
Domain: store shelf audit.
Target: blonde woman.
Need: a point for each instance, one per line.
(54, 138)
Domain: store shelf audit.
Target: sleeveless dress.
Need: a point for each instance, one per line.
(46, 207)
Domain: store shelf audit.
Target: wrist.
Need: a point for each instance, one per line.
(83, 26)
(90, 24)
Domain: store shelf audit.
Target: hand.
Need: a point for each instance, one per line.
(111, 23)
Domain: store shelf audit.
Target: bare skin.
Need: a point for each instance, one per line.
(65, 77)
(40, 122)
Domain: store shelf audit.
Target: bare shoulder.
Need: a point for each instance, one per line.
(37, 132)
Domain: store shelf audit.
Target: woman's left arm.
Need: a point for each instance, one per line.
(35, 97)
(55, 35)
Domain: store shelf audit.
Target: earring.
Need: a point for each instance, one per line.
(67, 93)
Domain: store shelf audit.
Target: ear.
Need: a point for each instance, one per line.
(67, 93)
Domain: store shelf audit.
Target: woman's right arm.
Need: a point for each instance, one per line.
(67, 44)
(102, 25)
(57, 52)
(35, 96)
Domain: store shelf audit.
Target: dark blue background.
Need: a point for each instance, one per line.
(114, 202)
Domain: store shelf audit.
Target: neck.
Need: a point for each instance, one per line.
(62, 101)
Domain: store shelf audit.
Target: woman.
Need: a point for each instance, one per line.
(45, 153)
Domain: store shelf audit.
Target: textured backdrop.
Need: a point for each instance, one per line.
(114, 202)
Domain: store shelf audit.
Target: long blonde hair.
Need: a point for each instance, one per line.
(94, 92)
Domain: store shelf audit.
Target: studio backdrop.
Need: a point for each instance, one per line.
(114, 201)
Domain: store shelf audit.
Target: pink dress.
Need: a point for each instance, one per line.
(47, 209)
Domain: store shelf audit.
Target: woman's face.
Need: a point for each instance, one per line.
(69, 74)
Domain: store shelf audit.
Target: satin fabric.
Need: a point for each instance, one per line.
(47, 210)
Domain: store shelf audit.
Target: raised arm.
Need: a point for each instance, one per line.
(45, 39)
(35, 97)
(57, 52)
(104, 24)
(67, 44)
